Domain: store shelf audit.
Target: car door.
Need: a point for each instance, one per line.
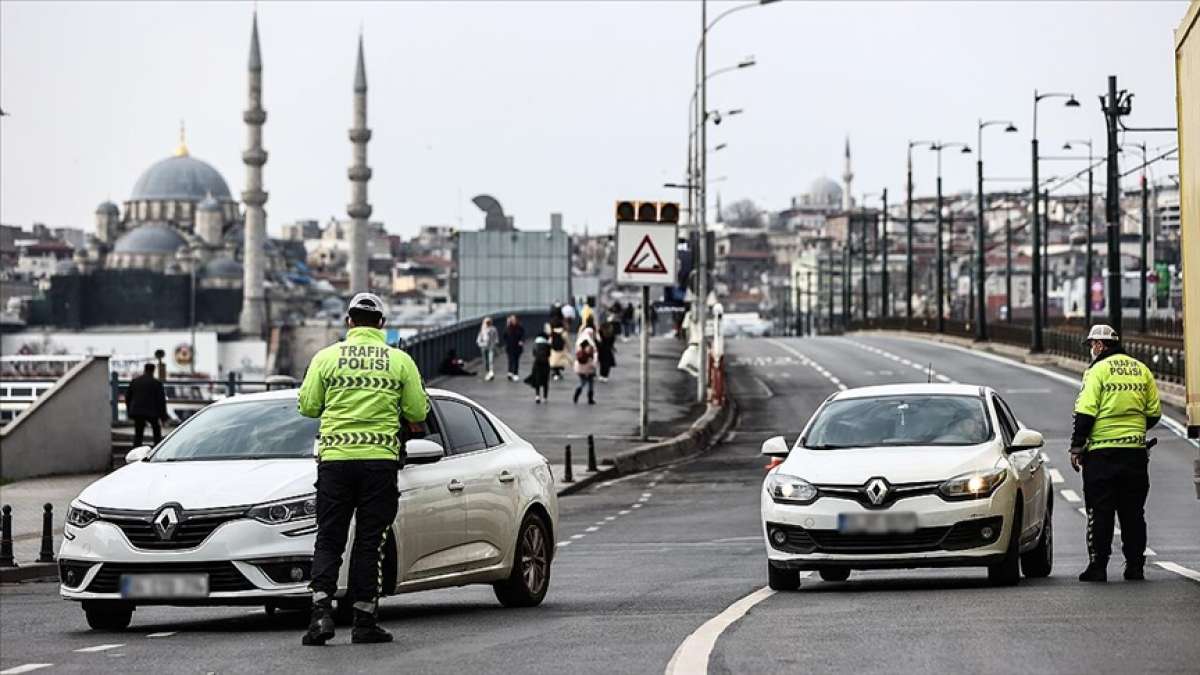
(491, 485)
(432, 516)
(1029, 467)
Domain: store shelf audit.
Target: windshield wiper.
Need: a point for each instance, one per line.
(827, 447)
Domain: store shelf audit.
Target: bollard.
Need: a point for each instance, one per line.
(568, 473)
(46, 555)
(6, 552)
(592, 454)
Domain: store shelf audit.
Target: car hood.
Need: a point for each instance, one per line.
(917, 464)
(203, 484)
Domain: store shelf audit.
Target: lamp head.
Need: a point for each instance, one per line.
(1071, 102)
(966, 150)
(1010, 129)
(746, 62)
(1067, 145)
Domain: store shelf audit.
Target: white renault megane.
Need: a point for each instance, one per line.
(906, 476)
(222, 513)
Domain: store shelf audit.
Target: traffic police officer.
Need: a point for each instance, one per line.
(1116, 406)
(360, 388)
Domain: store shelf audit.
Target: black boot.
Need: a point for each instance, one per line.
(1097, 570)
(1135, 570)
(367, 630)
(320, 627)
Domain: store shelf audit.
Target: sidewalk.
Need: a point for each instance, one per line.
(27, 497)
(613, 421)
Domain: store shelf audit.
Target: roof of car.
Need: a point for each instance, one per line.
(291, 395)
(913, 388)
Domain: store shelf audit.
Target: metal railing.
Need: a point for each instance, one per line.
(430, 347)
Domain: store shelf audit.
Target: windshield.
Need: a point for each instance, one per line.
(900, 421)
(251, 430)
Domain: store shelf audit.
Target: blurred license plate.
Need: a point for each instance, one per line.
(877, 523)
(164, 585)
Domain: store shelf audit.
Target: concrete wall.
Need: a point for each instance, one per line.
(66, 431)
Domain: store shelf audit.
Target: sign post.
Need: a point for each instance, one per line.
(646, 247)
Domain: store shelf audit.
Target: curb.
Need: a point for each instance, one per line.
(588, 481)
(703, 433)
(29, 572)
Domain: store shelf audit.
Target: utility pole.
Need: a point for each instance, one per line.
(1114, 105)
(1087, 288)
(1035, 271)
(866, 303)
(1008, 267)
(908, 248)
(702, 257)
(885, 303)
(808, 301)
(1142, 319)
(829, 293)
(846, 281)
(1046, 260)
(980, 257)
(940, 283)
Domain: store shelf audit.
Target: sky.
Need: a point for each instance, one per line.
(553, 106)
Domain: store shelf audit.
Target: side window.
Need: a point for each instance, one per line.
(461, 428)
(489, 432)
(1008, 425)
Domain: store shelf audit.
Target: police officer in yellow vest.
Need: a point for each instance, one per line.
(1116, 406)
(363, 390)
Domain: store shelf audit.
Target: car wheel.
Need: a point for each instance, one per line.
(781, 578)
(1007, 572)
(529, 579)
(1037, 563)
(835, 574)
(113, 616)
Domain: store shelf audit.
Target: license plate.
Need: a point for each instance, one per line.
(164, 585)
(877, 523)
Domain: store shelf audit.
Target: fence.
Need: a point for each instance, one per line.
(1164, 360)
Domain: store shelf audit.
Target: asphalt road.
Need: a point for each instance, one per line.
(647, 560)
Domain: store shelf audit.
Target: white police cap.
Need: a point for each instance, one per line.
(1102, 331)
(368, 302)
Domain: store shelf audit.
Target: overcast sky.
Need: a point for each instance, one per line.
(550, 106)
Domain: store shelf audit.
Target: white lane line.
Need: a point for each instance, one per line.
(635, 506)
(692, 654)
(610, 518)
(1056, 477)
(923, 367)
(647, 495)
(592, 529)
(578, 536)
(99, 648)
(1168, 566)
(623, 512)
(28, 667)
(1071, 496)
(804, 360)
(563, 543)
(163, 634)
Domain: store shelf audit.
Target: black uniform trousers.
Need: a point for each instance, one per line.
(1116, 482)
(366, 490)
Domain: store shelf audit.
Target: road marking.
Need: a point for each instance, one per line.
(1169, 566)
(592, 529)
(610, 518)
(28, 667)
(163, 634)
(811, 364)
(924, 368)
(563, 543)
(636, 506)
(1056, 477)
(692, 655)
(1150, 551)
(1071, 496)
(99, 648)
(623, 512)
(578, 536)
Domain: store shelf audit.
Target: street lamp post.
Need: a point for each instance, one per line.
(1036, 272)
(808, 300)
(980, 228)
(1087, 285)
(1008, 268)
(885, 297)
(866, 296)
(941, 263)
(908, 233)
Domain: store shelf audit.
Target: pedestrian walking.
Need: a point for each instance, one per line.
(627, 321)
(146, 403)
(369, 397)
(514, 344)
(487, 340)
(568, 316)
(606, 348)
(539, 375)
(585, 364)
(588, 314)
(1116, 406)
(560, 359)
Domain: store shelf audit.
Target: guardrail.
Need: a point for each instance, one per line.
(1164, 360)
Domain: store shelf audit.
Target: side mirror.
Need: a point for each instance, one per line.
(137, 454)
(422, 451)
(1026, 439)
(775, 447)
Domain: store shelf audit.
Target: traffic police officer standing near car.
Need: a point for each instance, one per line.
(360, 388)
(1116, 406)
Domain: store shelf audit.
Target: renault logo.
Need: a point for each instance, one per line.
(877, 490)
(165, 521)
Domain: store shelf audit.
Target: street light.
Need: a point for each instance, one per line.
(1036, 340)
(1087, 286)
(692, 130)
(1142, 290)
(908, 273)
(941, 297)
(980, 254)
(862, 209)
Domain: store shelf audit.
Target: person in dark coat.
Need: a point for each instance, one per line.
(146, 402)
(606, 351)
(539, 377)
(514, 344)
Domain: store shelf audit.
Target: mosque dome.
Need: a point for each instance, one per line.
(825, 190)
(108, 208)
(180, 177)
(223, 268)
(150, 238)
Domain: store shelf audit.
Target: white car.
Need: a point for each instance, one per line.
(222, 513)
(908, 476)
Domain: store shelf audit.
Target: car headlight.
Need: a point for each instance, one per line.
(790, 489)
(81, 516)
(296, 508)
(973, 485)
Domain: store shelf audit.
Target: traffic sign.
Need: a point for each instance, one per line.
(646, 254)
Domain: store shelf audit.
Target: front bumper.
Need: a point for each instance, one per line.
(949, 534)
(247, 562)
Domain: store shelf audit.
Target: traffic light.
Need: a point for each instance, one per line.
(625, 212)
(647, 212)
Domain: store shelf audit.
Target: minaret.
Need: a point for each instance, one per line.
(358, 209)
(253, 318)
(847, 178)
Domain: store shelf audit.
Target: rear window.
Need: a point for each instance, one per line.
(900, 421)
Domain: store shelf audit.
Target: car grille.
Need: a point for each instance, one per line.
(222, 576)
(858, 493)
(193, 528)
(962, 535)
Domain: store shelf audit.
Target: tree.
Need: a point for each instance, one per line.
(743, 213)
